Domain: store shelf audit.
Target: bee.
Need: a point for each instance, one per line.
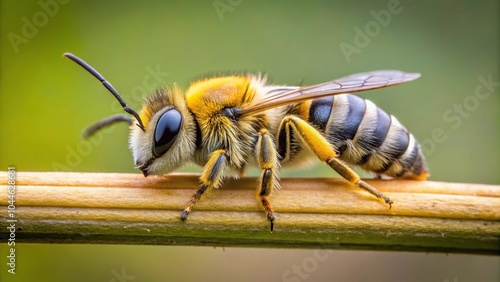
(228, 123)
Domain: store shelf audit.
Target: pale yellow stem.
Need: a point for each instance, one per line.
(117, 208)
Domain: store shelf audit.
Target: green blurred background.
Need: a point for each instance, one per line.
(46, 101)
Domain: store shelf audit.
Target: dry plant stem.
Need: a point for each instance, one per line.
(310, 213)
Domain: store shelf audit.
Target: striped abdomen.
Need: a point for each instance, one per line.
(364, 135)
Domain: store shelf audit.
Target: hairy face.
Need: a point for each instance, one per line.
(169, 136)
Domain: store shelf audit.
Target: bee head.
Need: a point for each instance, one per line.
(169, 137)
(163, 135)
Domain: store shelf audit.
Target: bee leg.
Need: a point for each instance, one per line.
(324, 151)
(351, 176)
(268, 162)
(211, 178)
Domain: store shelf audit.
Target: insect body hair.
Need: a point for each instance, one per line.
(363, 135)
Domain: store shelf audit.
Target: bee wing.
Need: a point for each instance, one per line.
(281, 96)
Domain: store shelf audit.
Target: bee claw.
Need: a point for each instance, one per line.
(271, 220)
(388, 201)
(184, 215)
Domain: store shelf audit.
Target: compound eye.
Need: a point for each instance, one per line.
(166, 131)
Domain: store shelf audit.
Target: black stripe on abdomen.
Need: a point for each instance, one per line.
(319, 111)
(400, 141)
(380, 132)
(346, 129)
(408, 159)
(395, 145)
(373, 131)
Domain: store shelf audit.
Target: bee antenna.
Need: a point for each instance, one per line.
(108, 86)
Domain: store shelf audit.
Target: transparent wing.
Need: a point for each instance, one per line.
(349, 84)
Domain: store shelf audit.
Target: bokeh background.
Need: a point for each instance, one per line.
(46, 101)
